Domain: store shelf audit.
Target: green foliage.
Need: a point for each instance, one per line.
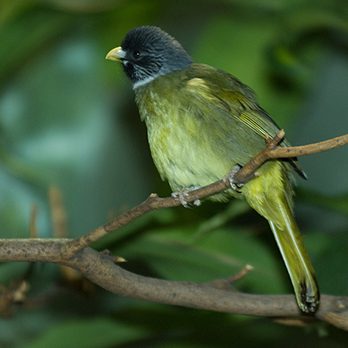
(67, 118)
(92, 333)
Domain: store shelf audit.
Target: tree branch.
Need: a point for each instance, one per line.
(102, 270)
(272, 151)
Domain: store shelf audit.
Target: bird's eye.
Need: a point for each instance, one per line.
(136, 54)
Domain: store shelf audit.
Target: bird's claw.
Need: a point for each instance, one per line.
(182, 197)
(234, 185)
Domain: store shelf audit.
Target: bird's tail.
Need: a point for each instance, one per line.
(270, 195)
(297, 261)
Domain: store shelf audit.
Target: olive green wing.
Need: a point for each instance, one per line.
(227, 92)
(238, 100)
(261, 123)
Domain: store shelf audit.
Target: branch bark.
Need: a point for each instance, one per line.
(272, 151)
(102, 270)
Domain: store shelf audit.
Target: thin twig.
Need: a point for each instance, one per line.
(310, 149)
(273, 151)
(33, 221)
(153, 202)
(58, 213)
(226, 283)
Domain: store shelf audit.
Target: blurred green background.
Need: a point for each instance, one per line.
(68, 120)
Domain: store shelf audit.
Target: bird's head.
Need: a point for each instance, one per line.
(148, 52)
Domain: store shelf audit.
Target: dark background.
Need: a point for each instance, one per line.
(68, 120)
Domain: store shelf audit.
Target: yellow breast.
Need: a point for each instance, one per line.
(181, 148)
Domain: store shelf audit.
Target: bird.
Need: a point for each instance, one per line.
(202, 122)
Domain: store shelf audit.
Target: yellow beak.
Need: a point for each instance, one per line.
(116, 54)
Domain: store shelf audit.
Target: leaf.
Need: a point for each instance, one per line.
(338, 203)
(175, 254)
(92, 333)
(330, 261)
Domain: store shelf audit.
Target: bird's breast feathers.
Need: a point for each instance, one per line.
(195, 126)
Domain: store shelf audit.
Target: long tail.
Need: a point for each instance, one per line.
(270, 195)
(297, 261)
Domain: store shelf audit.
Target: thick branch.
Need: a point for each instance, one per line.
(101, 270)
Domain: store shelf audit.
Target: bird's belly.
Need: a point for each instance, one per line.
(183, 156)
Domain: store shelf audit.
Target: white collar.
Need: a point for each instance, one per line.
(144, 81)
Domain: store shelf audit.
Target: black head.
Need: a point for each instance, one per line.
(148, 52)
